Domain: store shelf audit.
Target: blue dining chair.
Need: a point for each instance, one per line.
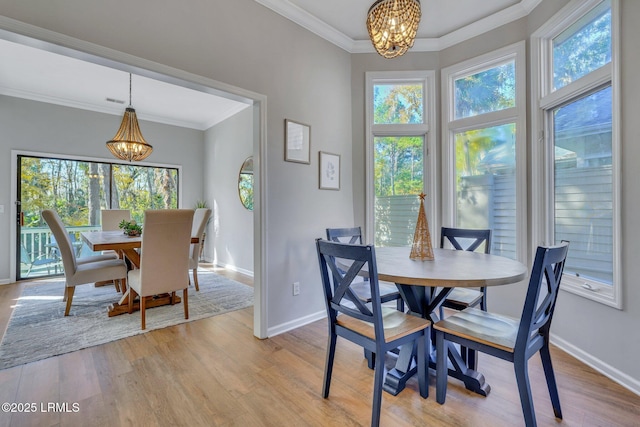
(388, 291)
(360, 289)
(513, 340)
(371, 325)
(466, 239)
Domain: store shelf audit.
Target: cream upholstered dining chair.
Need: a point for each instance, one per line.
(78, 271)
(200, 219)
(111, 218)
(164, 262)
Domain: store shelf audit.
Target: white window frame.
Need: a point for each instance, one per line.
(427, 130)
(451, 126)
(543, 101)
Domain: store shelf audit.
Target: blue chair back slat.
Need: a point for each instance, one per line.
(337, 296)
(479, 236)
(352, 235)
(537, 313)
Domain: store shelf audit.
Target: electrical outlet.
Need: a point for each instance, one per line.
(296, 288)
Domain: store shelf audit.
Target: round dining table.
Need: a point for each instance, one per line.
(424, 285)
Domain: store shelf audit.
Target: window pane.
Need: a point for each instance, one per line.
(75, 190)
(487, 91)
(398, 175)
(139, 188)
(485, 162)
(584, 184)
(398, 103)
(78, 190)
(583, 47)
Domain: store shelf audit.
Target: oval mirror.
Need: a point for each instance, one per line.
(245, 184)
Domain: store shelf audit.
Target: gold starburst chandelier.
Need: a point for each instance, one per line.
(129, 144)
(393, 25)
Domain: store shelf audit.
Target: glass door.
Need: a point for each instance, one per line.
(78, 190)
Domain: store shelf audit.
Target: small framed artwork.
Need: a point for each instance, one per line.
(297, 147)
(329, 171)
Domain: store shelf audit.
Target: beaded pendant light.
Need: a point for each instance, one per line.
(129, 144)
(393, 25)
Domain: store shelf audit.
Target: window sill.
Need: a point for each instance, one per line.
(592, 290)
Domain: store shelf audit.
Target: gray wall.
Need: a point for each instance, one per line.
(46, 128)
(244, 44)
(229, 240)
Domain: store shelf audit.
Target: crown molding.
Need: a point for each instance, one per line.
(329, 33)
(309, 22)
(117, 111)
(489, 23)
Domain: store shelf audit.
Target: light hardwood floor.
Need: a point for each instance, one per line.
(213, 372)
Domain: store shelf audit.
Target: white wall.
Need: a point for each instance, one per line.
(46, 128)
(244, 44)
(229, 241)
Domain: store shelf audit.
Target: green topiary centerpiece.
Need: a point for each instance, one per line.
(130, 227)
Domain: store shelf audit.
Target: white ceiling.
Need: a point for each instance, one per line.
(76, 83)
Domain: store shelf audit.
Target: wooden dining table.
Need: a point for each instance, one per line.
(424, 285)
(126, 245)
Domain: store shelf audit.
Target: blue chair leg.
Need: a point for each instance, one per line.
(483, 301)
(423, 370)
(371, 358)
(545, 355)
(328, 368)
(442, 367)
(377, 392)
(524, 389)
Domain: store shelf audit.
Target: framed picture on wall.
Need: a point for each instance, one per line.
(329, 171)
(297, 147)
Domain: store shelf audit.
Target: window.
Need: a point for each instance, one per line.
(578, 156)
(484, 145)
(400, 114)
(78, 190)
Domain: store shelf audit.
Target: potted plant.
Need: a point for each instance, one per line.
(130, 227)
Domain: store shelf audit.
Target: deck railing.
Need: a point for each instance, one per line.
(38, 244)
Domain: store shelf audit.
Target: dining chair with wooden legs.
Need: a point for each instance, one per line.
(513, 340)
(78, 271)
(110, 220)
(164, 259)
(200, 218)
(371, 325)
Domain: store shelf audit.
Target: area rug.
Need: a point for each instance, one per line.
(38, 328)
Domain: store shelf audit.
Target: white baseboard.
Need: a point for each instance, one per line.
(234, 268)
(608, 371)
(5, 281)
(288, 326)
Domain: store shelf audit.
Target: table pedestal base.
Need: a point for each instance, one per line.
(395, 380)
(426, 303)
(117, 309)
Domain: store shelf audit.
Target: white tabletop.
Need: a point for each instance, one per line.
(449, 269)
